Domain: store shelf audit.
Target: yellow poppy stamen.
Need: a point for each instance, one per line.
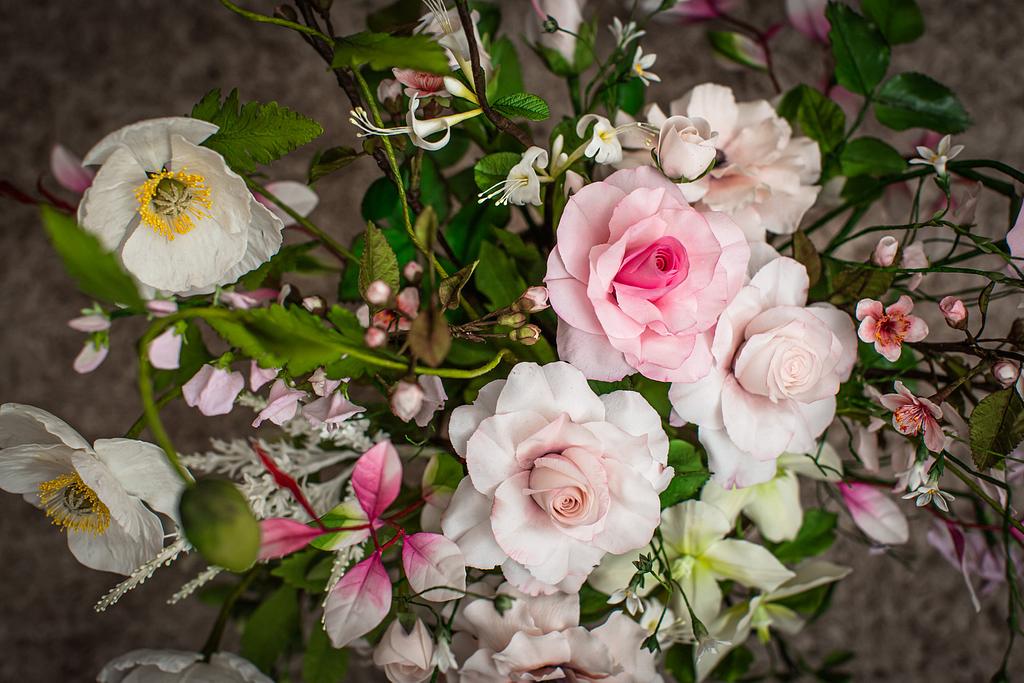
(73, 506)
(171, 201)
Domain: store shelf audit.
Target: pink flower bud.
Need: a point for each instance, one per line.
(90, 323)
(412, 271)
(885, 252)
(1006, 372)
(68, 171)
(165, 350)
(955, 312)
(90, 357)
(282, 404)
(406, 400)
(533, 299)
(378, 293)
(375, 337)
(409, 301)
(389, 89)
(161, 308)
(213, 390)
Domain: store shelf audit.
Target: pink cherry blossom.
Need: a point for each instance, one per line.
(68, 171)
(405, 657)
(90, 323)
(165, 350)
(778, 365)
(91, 356)
(213, 390)
(912, 415)
(282, 404)
(377, 478)
(808, 17)
(954, 311)
(330, 410)
(378, 293)
(420, 83)
(638, 275)
(259, 376)
(875, 513)
(161, 308)
(890, 327)
(557, 476)
(434, 566)
(280, 537)
(359, 602)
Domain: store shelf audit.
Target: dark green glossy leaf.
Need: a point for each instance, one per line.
(913, 100)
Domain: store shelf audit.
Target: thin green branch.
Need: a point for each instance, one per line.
(329, 242)
(277, 21)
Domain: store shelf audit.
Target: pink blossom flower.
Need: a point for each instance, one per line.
(282, 404)
(412, 272)
(375, 337)
(406, 400)
(1006, 372)
(912, 415)
(322, 384)
(259, 376)
(68, 171)
(885, 251)
(330, 410)
(421, 83)
(93, 322)
(808, 17)
(165, 350)
(408, 301)
(405, 657)
(955, 312)
(213, 390)
(637, 277)
(557, 476)
(777, 368)
(240, 300)
(161, 308)
(875, 513)
(378, 292)
(887, 329)
(92, 355)
(434, 397)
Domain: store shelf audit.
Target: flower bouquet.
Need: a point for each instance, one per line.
(595, 389)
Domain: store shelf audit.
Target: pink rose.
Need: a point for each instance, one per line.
(405, 657)
(685, 148)
(777, 368)
(638, 275)
(557, 476)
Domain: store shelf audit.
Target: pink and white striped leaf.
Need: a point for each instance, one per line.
(358, 602)
(435, 567)
(376, 479)
(280, 537)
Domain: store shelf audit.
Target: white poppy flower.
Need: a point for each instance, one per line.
(179, 219)
(165, 666)
(98, 494)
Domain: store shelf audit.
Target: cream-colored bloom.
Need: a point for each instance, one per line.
(940, 156)
(522, 184)
(641, 65)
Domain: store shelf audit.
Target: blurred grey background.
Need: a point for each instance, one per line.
(73, 71)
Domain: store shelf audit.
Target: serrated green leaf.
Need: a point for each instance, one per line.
(738, 48)
(494, 168)
(870, 156)
(816, 535)
(996, 427)
(378, 261)
(96, 270)
(329, 160)
(382, 52)
(270, 630)
(497, 277)
(219, 524)
(820, 118)
(689, 474)
(860, 50)
(251, 134)
(522, 105)
(323, 663)
(913, 100)
(900, 21)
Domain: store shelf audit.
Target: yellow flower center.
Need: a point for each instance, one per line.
(171, 201)
(72, 505)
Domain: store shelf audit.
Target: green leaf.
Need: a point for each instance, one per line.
(301, 570)
(860, 50)
(913, 100)
(593, 604)
(382, 52)
(251, 134)
(329, 160)
(870, 156)
(441, 476)
(219, 524)
(323, 663)
(996, 427)
(734, 665)
(283, 337)
(900, 21)
(805, 252)
(343, 514)
(630, 96)
(522, 105)
(497, 277)
(271, 628)
(449, 290)
(816, 535)
(821, 119)
(508, 76)
(97, 271)
(679, 663)
(429, 337)
(854, 284)
(738, 48)
(689, 476)
(396, 16)
(378, 261)
(494, 168)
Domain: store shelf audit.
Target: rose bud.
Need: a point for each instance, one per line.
(527, 335)
(378, 292)
(406, 400)
(375, 337)
(686, 150)
(955, 312)
(533, 299)
(412, 271)
(1006, 372)
(885, 251)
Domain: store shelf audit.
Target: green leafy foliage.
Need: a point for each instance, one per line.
(272, 628)
(378, 261)
(508, 76)
(913, 100)
(442, 475)
(382, 51)
(292, 258)
(734, 666)
(327, 161)
(323, 663)
(996, 427)
(497, 277)
(218, 522)
(251, 134)
(679, 663)
(900, 21)
(816, 535)
(97, 271)
(870, 156)
(593, 604)
(854, 283)
(689, 476)
(307, 570)
(820, 118)
(859, 48)
(494, 168)
(522, 105)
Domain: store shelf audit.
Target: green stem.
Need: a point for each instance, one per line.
(977, 490)
(264, 19)
(329, 242)
(217, 632)
(136, 429)
(988, 163)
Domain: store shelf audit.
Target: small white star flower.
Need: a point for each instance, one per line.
(624, 33)
(633, 602)
(930, 492)
(939, 157)
(641, 64)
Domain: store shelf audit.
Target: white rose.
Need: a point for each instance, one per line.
(686, 148)
(405, 657)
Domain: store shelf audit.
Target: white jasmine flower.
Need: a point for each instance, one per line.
(624, 33)
(628, 596)
(930, 492)
(604, 146)
(940, 156)
(417, 129)
(177, 217)
(522, 185)
(641, 64)
(445, 25)
(98, 494)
